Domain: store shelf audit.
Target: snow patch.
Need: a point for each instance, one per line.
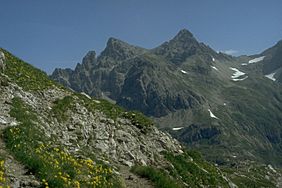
(212, 115)
(177, 128)
(214, 68)
(237, 73)
(224, 104)
(183, 71)
(271, 76)
(258, 59)
(244, 64)
(213, 59)
(239, 79)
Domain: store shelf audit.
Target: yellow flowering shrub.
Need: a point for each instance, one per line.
(3, 183)
(52, 164)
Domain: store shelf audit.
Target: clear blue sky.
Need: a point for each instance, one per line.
(58, 33)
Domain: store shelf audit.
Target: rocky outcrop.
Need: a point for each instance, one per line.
(2, 60)
(117, 140)
(146, 89)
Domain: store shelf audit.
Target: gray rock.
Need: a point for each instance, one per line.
(2, 59)
(3, 120)
(127, 163)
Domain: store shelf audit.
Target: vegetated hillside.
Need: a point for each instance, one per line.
(53, 137)
(225, 106)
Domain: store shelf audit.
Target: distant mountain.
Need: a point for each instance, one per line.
(272, 63)
(267, 63)
(223, 105)
(139, 79)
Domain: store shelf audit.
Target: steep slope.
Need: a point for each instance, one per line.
(272, 63)
(67, 139)
(222, 105)
(268, 63)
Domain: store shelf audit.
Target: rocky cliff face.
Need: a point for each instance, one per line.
(133, 76)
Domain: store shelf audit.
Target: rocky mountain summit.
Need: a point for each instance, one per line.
(224, 106)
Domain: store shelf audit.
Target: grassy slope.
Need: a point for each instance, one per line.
(188, 168)
(25, 75)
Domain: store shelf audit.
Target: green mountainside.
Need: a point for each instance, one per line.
(227, 107)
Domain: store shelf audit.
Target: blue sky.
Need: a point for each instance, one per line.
(58, 33)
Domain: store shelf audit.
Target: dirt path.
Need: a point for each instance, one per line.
(132, 180)
(16, 173)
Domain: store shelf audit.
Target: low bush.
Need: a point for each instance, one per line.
(157, 176)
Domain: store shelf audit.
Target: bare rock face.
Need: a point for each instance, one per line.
(2, 59)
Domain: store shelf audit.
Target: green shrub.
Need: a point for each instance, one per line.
(157, 176)
(61, 107)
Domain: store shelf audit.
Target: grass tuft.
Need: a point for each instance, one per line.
(157, 176)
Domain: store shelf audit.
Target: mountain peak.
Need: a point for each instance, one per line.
(182, 46)
(184, 33)
(120, 50)
(113, 40)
